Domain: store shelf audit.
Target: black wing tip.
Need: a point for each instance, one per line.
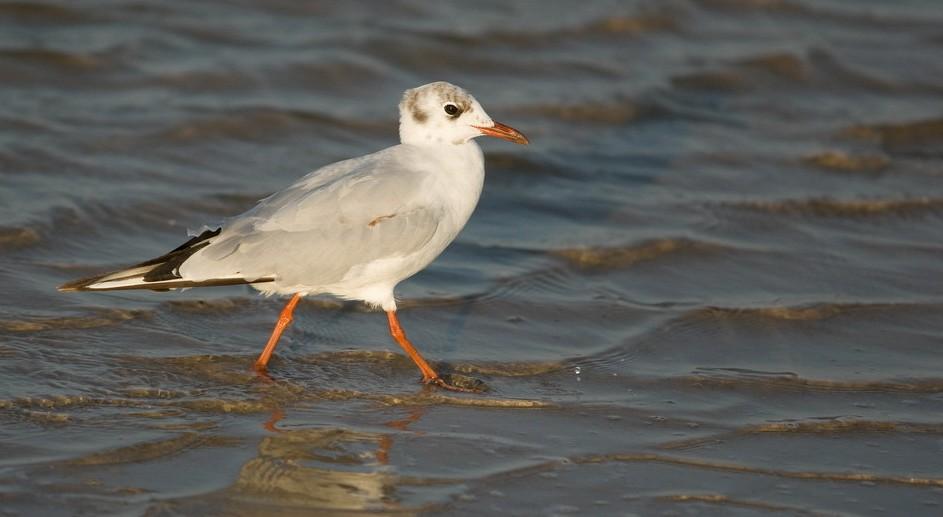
(206, 234)
(164, 267)
(80, 284)
(83, 283)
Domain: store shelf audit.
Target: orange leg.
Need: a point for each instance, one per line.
(283, 320)
(428, 374)
(277, 415)
(386, 441)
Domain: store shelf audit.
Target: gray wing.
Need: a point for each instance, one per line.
(345, 215)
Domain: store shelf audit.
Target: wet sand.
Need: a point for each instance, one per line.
(711, 285)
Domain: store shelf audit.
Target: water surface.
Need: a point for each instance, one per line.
(711, 285)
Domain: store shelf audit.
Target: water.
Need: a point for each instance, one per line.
(711, 285)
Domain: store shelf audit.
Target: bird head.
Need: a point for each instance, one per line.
(442, 113)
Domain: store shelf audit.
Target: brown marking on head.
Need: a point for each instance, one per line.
(462, 104)
(456, 96)
(442, 92)
(461, 101)
(411, 105)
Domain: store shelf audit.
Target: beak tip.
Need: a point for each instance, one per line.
(499, 130)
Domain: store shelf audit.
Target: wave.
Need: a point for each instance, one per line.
(16, 238)
(786, 71)
(809, 312)
(250, 123)
(98, 318)
(739, 377)
(823, 426)
(543, 281)
(844, 162)
(151, 450)
(45, 13)
(852, 477)
(617, 25)
(922, 137)
(526, 165)
(827, 207)
(605, 258)
(211, 305)
(775, 70)
(862, 17)
(54, 58)
(618, 112)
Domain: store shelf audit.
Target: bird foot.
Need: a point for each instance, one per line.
(457, 382)
(261, 373)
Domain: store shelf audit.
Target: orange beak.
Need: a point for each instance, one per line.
(499, 130)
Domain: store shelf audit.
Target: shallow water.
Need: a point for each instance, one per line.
(711, 285)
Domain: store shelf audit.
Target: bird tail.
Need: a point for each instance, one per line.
(159, 274)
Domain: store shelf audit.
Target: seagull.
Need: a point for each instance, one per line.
(353, 229)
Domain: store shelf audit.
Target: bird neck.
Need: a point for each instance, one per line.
(431, 134)
(463, 148)
(463, 158)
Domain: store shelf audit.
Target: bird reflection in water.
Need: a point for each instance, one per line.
(324, 468)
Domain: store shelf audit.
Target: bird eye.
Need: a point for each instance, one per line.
(452, 110)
